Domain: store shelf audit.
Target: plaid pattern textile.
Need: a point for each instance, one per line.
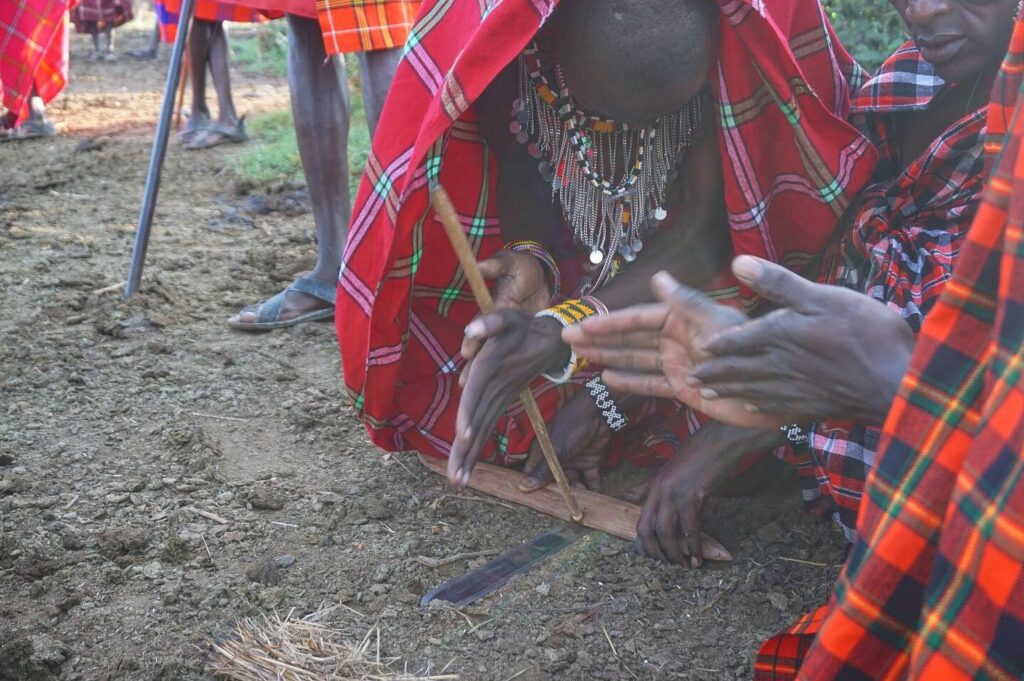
(780, 658)
(365, 25)
(33, 51)
(111, 13)
(934, 588)
(905, 233)
(403, 301)
(208, 10)
(935, 585)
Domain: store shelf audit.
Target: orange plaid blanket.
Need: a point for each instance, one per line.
(365, 25)
(33, 51)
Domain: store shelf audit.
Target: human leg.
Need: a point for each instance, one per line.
(150, 51)
(94, 32)
(199, 54)
(108, 53)
(377, 68)
(218, 59)
(320, 108)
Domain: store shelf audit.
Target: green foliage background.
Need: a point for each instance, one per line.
(870, 29)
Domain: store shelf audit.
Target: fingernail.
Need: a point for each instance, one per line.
(474, 329)
(465, 478)
(708, 394)
(692, 381)
(747, 268)
(751, 408)
(665, 279)
(694, 562)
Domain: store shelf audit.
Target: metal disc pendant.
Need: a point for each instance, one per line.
(533, 150)
(596, 257)
(545, 171)
(627, 253)
(522, 137)
(660, 213)
(515, 127)
(638, 245)
(517, 106)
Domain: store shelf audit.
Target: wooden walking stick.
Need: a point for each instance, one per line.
(446, 212)
(156, 159)
(186, 67)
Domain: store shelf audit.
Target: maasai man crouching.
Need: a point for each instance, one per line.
(318, 37)
(101, 16)
(585, 146)
(33, 64)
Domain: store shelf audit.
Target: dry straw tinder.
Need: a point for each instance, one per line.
(269, 648)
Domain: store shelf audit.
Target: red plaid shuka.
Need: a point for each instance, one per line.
(279, 8)
(905, 233)
(366, 25)
(402, 299)
(934, 587)
(104, 13)
(33, 51)
(208, 10)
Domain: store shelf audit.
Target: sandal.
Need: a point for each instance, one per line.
(217, 134)
(30, 129)
(268, 315)
(193, 127)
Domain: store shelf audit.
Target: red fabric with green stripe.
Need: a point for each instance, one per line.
(402, 300)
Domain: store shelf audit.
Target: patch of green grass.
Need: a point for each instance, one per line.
(260, 48)
(273, 153)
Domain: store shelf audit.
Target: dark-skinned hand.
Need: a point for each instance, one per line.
(829, 353)
(517, 348)
(581, 438)
(651, 349)
(669, 526)
(519, 284)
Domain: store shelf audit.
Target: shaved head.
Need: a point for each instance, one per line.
(634, 60)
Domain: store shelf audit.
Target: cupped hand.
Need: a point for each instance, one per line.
(519, 284)
(829, 353)
(516, 349)
(651, 349)
(580, 437)
(669, 527)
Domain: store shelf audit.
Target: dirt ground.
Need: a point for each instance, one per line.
(120, 420)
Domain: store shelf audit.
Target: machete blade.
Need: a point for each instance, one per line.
(481, 581)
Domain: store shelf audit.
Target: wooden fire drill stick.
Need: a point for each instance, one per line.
(446, 212)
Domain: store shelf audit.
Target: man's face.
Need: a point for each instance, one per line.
(963, 39)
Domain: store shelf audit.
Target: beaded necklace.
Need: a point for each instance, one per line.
(610, 178)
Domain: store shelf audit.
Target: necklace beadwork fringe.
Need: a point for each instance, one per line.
(610, 178)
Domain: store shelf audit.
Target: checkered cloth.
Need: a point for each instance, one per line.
(366, 25)
(403, 301)
(208, 10)
(33, 51)
(905, 233)
(112, 13)
(934, 587)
